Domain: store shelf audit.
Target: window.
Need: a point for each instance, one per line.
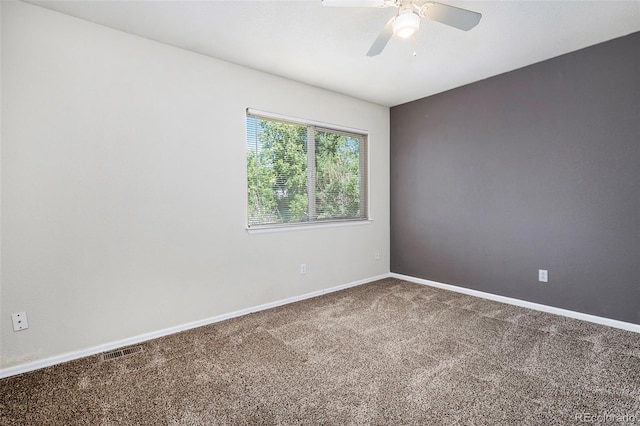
(304, 172)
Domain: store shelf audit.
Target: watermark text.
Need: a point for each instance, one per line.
(606, 417)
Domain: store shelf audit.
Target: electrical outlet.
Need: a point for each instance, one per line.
(303, 268)
(543, 275)
(19, 320)
(376, 255)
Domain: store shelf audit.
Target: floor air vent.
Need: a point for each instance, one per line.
(120, 353)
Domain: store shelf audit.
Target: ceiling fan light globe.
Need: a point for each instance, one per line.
(406, 24)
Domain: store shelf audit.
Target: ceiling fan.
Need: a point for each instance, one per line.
(407, 21)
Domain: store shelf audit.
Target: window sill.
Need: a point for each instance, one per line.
(305, 226)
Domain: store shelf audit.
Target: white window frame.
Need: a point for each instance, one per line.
(277, 227)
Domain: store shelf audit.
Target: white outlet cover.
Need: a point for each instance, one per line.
(19, 320)
(543, 275)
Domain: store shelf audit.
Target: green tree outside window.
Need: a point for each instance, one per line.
(298, 173)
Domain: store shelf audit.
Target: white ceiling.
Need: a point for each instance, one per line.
(326, 47)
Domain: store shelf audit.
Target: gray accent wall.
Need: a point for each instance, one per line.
(538, 168)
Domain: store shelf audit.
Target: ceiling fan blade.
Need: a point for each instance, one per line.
(462, 19)
(383, 38)
(354, 3)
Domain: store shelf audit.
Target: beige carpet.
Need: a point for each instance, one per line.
(385, 353)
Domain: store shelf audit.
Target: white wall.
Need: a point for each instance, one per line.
(123, 188)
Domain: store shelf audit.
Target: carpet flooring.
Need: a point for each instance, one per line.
(384, 353)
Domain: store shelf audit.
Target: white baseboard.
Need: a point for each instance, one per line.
(70, 356)
(523, 303)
